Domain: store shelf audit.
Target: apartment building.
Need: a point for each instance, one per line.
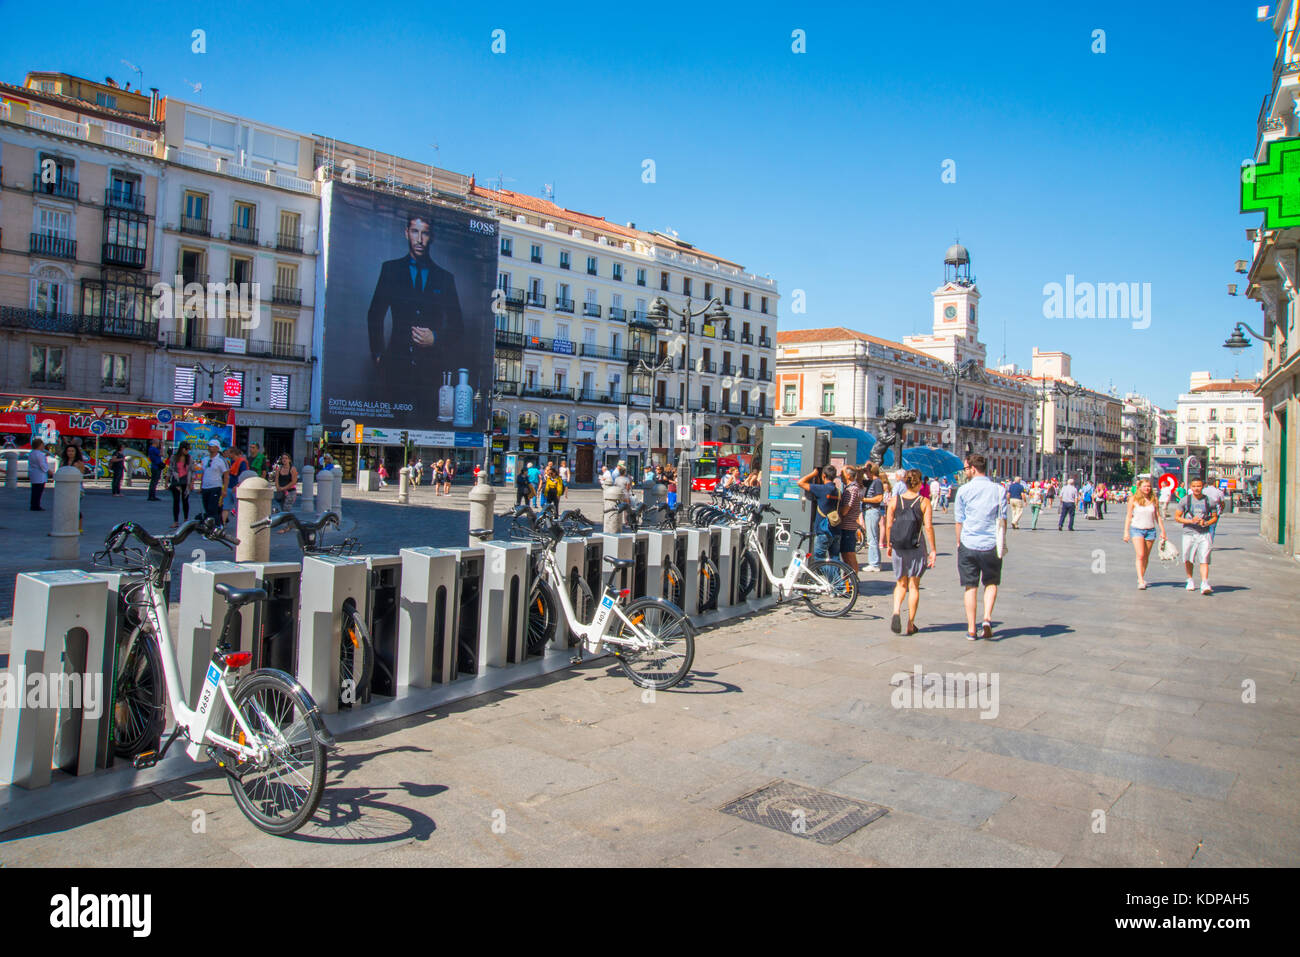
(1139, 431)
(1077, 430)
(1226, 416)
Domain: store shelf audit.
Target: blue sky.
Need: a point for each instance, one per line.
(822, 169)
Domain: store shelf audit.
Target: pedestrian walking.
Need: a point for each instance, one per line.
(286, 484)
(117, 467)
(383, 475)
(945, 493)
(552, 486)
(1016, 499)
(1069, 502)
(909, 536)
(873, 505)
(179, 483)
(623, 482)
(535, 483)
(523, 488)
(1140, 523)
(237, 465)
(565, 476)
(821, 485)
(1198, 515)
(448, 473)
(257, 460)
(1035, 505)
(980, 511)
(154, 453)
(850, 514)
(38, 473)
(213, 474)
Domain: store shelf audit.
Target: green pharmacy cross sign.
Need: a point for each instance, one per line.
(1273, 187)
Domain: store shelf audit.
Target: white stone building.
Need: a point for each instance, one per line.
(1226, 416)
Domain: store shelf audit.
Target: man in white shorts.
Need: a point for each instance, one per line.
(1198, 514)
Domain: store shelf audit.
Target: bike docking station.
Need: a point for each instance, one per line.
(426, 636)
(275, 631)
(468, 610)
(623, 547)
(730, 545)
(660, 546)
(327, 582)
(503, 625)
(695, 546)
(380, 615)
(201, 615)
(575, 556)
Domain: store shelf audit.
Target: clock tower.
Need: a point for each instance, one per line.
(955, 335)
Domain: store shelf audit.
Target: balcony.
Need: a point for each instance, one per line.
(286, 295)
(606, 397)
(196, 226)
(747, 338)
(591, 309)
(536, 259)
(515, 300)
(641, 318)
(638, 355)
(120, 199)
(728, 335)
(13, 317)
(243, 234)
(60, 247)
(506, 386)
(251, 347)
(510, 338)
(563, 305)
(746, 372)
(603, 352)
(288, 242)
(765, 342)
(730, 370)
(665, 402)
(546, 392)
(702, 366)
(115, 254)
(63, 187)
(764, 375)
(618, 313)
(537, 299)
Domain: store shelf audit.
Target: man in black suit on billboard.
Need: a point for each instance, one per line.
(422, 299)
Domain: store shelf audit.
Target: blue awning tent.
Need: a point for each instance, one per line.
(931, 461)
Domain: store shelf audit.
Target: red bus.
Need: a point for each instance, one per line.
(713, 459)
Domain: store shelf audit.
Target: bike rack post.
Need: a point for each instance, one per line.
(327, 582)
(659, 547)
(730, 549)
(504, 628)
(622, 545)
(59, 628)
(467, 656)
(426, 629)
(767, 540)
(275, 624)
(640, 585)
(571, 556)
(594, 564)
(697, 542)
(381, 614)
(202, 613)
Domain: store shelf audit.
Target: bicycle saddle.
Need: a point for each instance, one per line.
(236, 597)
(619, 562)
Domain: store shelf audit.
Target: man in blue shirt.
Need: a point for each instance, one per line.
(155, 468)
(980, 511)
(535, 480)
(1016, 497)
(827, 494)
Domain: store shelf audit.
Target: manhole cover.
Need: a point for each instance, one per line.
(804, 812)
(1049, 595)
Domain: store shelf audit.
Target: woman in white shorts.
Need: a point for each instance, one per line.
(1140, 523)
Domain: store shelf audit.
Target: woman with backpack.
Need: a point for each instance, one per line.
(552, 486)
(909, 528)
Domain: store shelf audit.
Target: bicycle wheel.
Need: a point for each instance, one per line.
(669, 661)
(138, 695)
(710, 584)
(843, 592)
(673, 583)
(542, 616)
(281, 794)
(747, 575)
(356, 658)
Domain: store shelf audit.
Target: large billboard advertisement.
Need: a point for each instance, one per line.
(408, 329)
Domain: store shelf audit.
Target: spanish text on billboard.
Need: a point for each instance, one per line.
(408, 324)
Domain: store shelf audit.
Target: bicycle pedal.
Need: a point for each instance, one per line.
(576, 660)
(146, 760)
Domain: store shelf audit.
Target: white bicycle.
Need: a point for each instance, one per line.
(272, 740)
(651, 637)
(828, 585)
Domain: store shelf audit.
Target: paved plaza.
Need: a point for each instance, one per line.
(1120, 737)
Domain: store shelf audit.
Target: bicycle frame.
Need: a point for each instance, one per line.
(592, 634)
(787, 583)
(196, 722)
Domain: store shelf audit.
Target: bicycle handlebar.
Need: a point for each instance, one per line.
(289, 518)
(115, 540)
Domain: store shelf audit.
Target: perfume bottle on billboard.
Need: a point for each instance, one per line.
(464, 401)
(446, 399)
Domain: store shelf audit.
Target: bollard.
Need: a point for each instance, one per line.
(307, 476)
(403, 486)
(654, 494)
(254, 500)
(610, 496)
(336, 492)
(11, 468)
(324, 491)
(482, 506)
(66, 536)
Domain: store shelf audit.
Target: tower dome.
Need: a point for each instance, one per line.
(956, 255)
(956, 265)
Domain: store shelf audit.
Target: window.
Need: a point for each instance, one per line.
(535, 253)
(1214, 415)
(1193, 434)
(763, 304)
(290, 231)
(686, 285)
(790, 400)
(640, 277)
(195, 216)
(232, 389)
(53, 222)
(746, 301)
(115, 372)
(591, 265)
(123, 189)
(507, 246)
(106, 99)
(47, 369)
(663, 281)
(282, 336)
(618, 272)
(726, 295)
(708, 290)
(50, 291)
(183, 385)
(564, 259)
(279, 392)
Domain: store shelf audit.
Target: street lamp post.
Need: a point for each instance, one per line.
(492, 398)
(954, 371)
(661, 313)
(1069, 391)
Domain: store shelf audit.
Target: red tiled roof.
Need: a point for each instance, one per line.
(80, 106)
(791, 337)
(1231, 385)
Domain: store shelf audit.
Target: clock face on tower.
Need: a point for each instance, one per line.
(950, 312)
